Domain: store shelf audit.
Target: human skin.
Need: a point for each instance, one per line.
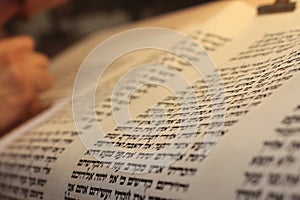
(23, 70)
(23, 75)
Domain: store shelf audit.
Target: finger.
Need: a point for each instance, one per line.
(18, 43)
(17, 94)
(23, 84)
(41, 79)
(29, 59)
(34, 65)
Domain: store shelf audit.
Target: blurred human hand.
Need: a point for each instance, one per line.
(24, 8)
(32, 7)
(23, 74)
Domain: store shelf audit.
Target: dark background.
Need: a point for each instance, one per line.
(56, 29)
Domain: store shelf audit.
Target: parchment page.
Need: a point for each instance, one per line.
(50, 162)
